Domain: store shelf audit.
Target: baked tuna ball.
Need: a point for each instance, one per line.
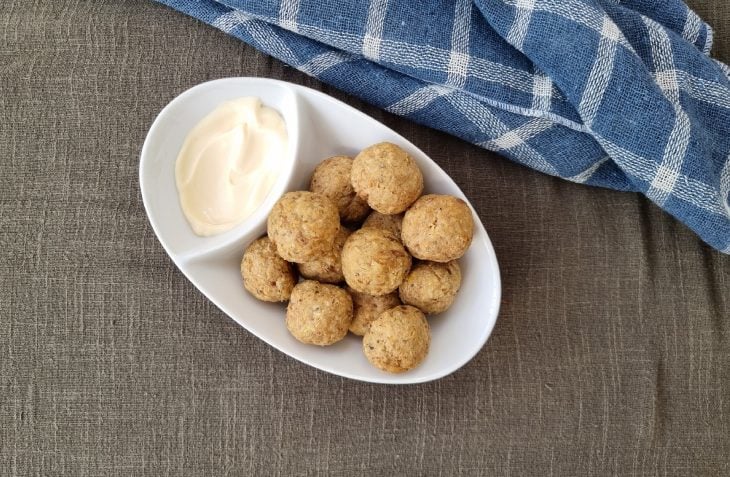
(387, 178)
(398, 340)
(266, 275)
(374, 261)
(368, 308)
(303, 226)
(318, 313)
(391, 223)
(438, 228)
(431, 286)
(332, 179)
(327, 268)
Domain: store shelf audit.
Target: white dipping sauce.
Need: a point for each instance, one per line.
(229, 163)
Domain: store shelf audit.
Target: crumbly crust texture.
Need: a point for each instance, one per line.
(399, 340)
(303, 226)
(265, 274)
(431, 286)
(438, 228)
(327, 268)
(392, 223)
(368, 308)
(374, 261)
(318, 313)
(387, 178)
(331, 178)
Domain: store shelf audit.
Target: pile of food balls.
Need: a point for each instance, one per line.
(362, 223)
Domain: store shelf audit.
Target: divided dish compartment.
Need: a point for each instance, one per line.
(322, 127)
(157, 175)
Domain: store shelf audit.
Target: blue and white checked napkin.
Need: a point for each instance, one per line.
(612, 93)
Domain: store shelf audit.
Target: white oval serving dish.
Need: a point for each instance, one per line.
(319, 127)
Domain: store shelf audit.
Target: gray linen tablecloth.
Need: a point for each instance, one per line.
(610, 355)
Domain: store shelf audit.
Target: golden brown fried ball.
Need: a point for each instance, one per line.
(328, 267)
(332, 179)
(438, 228)
(303, 226)
(398, 340)
(318, 314)
(374, 261)
(265, 274)
(431, 286)
(387, 178)
(392, 223)
(367, 308)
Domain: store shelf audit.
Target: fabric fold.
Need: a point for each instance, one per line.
(617, 95)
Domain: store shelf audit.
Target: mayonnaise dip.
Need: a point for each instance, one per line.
(229, 163)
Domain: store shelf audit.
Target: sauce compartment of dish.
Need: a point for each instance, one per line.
(163, 144)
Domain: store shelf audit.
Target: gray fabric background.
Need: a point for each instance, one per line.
(610, 355)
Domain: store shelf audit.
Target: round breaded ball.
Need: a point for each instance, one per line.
(398, 340)
(374, 261)
(438, 228)
(368, 308)
(303, 226)
(318, 313)
(265, 274)
(327, 268)
(431, 286)
(392, 223)
(332, 179)
(387, 178)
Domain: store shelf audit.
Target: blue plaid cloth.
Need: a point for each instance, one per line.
(617, 94)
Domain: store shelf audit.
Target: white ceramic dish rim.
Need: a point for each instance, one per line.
(278, 191)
